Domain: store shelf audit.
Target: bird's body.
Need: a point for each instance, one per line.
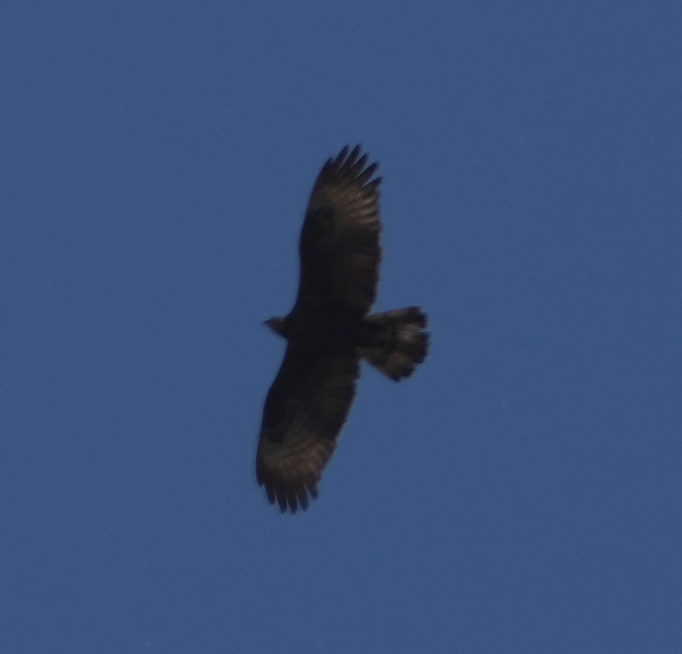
(329, 330)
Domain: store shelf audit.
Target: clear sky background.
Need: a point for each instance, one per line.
(521, 493)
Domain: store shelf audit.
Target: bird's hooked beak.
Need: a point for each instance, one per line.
(277, 324)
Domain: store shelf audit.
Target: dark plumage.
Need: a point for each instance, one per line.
(329, 330)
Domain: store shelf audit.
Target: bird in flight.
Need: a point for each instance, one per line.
(329, 330)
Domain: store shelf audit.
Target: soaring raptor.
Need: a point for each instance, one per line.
(330, 330)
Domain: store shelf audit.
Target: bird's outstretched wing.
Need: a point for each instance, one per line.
(314, 389)
(304, 412)
(339, 246)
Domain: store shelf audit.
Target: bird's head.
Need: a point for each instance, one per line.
(277, 324)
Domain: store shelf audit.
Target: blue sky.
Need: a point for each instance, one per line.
(521, 493)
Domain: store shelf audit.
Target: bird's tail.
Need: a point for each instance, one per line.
(399, 341)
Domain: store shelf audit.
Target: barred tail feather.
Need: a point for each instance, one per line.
(399, 341)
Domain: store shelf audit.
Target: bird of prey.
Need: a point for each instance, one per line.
(329, 330)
